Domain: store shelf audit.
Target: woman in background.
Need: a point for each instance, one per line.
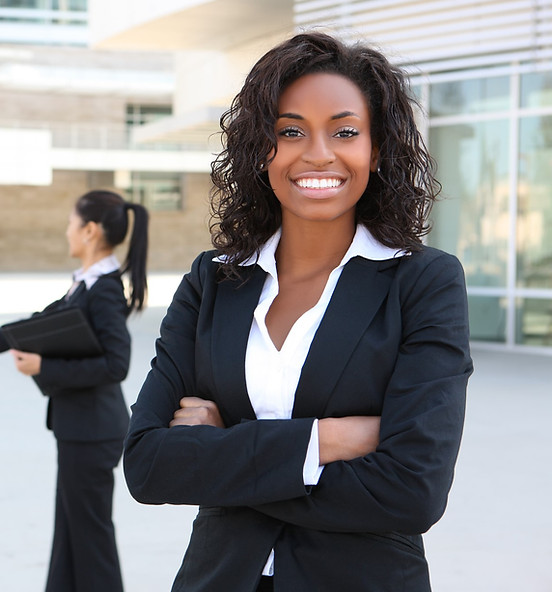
(86, 408)
(309, 384)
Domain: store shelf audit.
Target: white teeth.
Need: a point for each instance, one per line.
(318, 183)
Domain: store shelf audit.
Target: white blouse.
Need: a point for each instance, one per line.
(271, 375)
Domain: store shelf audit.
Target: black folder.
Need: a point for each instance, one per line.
(60, 334)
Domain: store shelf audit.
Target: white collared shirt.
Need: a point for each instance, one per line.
(272, 376)
(89, 276)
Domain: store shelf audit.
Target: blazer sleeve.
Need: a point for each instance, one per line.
(248, 463)
(4, 346)
(403, 486)
(107, 311)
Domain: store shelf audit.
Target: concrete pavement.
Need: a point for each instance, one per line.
(494, 537)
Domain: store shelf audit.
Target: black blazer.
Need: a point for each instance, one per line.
(86, 401)
(393, 342)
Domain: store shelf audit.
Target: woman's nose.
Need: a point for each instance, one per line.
(319, 151)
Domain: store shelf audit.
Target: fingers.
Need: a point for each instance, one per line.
(189, 402)
(27, 363)
(197, 411)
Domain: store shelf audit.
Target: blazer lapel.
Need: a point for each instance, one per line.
(75, 296)
(357, 297)
(232, 317)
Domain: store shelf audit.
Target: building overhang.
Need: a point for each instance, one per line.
(186, 24)
(199, 129)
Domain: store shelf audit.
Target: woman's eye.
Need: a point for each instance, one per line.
(347, 132)
(290, 132)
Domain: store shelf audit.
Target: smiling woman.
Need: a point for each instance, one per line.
(295, 388)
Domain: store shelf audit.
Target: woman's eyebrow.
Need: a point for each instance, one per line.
(336, 116)
(290, 116)
(345, 114)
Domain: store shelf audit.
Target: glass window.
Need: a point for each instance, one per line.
(142, 114)
(137, 115)
(471, 219)
(480, 95)
(25, 4)
(534, 322)
(71, 5)
(536, 89)
(416, 91)
(534, 236)
(156, 190)
(487, 318)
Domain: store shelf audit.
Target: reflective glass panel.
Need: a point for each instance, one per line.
(76, 5)
(39, 4)
(487, 318)
(534, 322)
(536, 89)
(157, 191)
(471, 219)
(480, 95)
(534, 236)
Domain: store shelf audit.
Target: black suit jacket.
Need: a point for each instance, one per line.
(393, 342)
(86, 401)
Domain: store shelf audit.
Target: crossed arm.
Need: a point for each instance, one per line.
(342, 438)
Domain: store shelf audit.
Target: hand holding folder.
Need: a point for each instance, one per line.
(60, 334)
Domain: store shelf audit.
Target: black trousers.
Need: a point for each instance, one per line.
(265, 585)
(84, 553)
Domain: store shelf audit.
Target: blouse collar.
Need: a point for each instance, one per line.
(364, 244)
(104, 266)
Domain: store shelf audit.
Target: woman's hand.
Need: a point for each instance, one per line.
(196, 411)
(345, 438)
(26, 363)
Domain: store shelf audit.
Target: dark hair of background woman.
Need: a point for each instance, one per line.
(110, 210)
(397, 200)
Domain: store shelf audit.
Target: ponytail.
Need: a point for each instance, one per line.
(110, 210)
(135, 262)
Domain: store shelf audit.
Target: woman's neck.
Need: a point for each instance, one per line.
(313, 246)
(92, 258)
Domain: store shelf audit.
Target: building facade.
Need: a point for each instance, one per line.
(482, 71)
(66, 126)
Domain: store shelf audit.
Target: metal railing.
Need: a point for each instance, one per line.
(98, 136)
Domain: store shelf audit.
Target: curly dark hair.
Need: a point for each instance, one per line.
(397, 200)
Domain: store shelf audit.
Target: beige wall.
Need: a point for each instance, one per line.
(177, 237)
(33, 222)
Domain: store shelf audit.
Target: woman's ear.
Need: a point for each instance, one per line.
(92, 232)
(374, 159)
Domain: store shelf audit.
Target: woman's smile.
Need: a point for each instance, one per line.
(319, 183)
(319, 187)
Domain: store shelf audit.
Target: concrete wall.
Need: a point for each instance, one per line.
(33, 222)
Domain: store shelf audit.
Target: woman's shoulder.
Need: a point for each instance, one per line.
(431, 263)
(107, 282)
(427, 255)
(108, 288)
(206, 274)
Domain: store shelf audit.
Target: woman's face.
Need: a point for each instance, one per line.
(76, 235)
(325, 153)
